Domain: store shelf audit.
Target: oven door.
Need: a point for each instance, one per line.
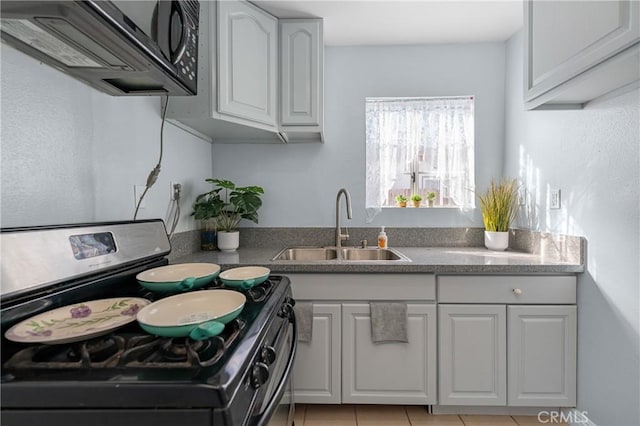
(278, 406)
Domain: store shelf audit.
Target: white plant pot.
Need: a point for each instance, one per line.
(228, 241)
(497, 241)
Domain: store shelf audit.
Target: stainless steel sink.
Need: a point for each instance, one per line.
(353, 253)
(307, 253)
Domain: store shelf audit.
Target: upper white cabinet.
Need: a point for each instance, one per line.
(247, 62)
(576, 51)
(259, 79)
(301, 72)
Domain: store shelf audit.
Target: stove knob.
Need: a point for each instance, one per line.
(286, 308)
(268, 354)
(259, 374)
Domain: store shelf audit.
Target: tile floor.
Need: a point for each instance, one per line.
(396, 415)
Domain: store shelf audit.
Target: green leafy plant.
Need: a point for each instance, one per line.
(416, 197)
(401, 198)
(431, 196)
(228, 204)
(499, 205)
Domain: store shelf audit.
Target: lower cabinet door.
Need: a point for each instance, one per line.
(316, 371)
(389, 373)
(472, 362)
(542, 356)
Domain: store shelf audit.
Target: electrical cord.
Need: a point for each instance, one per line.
(176, 213)
(153, 175)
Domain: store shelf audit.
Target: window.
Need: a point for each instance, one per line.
(418, 146)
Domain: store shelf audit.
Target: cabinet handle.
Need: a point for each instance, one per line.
(517, 291)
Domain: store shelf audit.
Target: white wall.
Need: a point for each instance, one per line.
(301, 181)
(593, 156)
(72, 154)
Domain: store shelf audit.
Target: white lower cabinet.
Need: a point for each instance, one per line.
(388, 373)
(502, 341)
(317, 368)
(542, 355)
(473, 354)
(518, 351)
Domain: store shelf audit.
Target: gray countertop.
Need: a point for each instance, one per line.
(423, 259)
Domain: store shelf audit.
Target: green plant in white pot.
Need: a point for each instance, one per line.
(231, 204)
(499, 206)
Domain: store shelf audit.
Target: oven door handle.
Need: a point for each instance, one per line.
(264, 418)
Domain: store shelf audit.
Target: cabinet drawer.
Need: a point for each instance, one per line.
(506, 289)
(342, 287)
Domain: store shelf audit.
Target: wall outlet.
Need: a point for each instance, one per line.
(175, 189)
(137, 193)
(554, 198)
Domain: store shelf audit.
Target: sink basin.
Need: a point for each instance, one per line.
(307, 253)
(346, 254)
(353, 253)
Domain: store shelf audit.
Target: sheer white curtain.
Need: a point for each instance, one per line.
(402, 130)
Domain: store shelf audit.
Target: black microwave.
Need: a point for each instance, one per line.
(119, 47)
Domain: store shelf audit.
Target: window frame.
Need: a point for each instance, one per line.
(417, 179)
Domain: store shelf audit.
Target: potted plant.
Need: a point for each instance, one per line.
(431, 196)
(401, 200)
(499, 206)
(229, 204)
(416, 199)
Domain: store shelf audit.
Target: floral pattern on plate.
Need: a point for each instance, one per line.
(77, 322)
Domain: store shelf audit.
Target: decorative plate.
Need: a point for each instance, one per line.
(77, 322)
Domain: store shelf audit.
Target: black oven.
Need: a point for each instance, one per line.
(140, 47)
(126, 376)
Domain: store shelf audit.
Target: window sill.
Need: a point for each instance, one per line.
(421, 207)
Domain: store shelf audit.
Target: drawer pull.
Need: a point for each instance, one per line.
(517, 291)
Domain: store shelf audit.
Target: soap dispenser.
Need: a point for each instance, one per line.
(382, 238)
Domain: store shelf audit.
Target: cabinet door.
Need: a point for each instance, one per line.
(542, 356)
(316, 371)
(389, 373)
(566, 38)
(472, 348)
(247, 78)
(301, 59)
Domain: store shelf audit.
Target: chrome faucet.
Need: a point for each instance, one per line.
(339, 235)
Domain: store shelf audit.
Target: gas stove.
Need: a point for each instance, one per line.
(235, 378)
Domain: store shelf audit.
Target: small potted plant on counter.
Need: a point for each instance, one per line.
(235, 203)
(499, 206)
(401, 200)
(416, 199)
(431, 197)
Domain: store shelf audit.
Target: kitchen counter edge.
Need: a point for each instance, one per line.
(440, 260)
